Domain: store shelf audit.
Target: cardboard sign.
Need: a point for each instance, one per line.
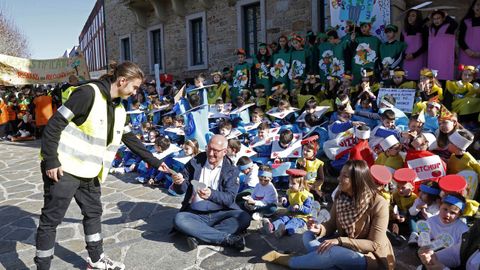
(280, 115)
(219, 111)
(244, 107)
(170, 150)
(178, 131)
(319, 111)
(294, 150)
(427, 167)
(472, 182)
(246, 151)
(405, 98)
(344, 141)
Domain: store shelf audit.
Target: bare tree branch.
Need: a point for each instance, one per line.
(13, 42)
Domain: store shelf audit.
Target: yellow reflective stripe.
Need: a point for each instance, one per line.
(65, 149)
(85, 137)
(66, 113)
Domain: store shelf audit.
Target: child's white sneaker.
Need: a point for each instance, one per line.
(104, 263)
(412, 240)
(119, 170)
(140, 179)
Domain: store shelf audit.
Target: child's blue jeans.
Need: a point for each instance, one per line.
(291, 224)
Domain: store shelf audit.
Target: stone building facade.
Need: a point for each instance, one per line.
(186, 37)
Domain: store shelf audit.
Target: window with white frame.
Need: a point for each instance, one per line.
(125, 49)
(251, 24)
(197, 41)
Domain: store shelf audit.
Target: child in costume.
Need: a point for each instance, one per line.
(366, 50)
(428, 88)
(448, 124)
(262, 143)
(300, 59)
(468, 33)
(281, 63)
(299, 205)
(392, 51)
(402, 198)
(241, 74)
(399, 80)
(390, 154)
(312, 165)
(425, 206)
(415, 35)
(466, 95)
(382, 177)
(441, 42)
(220, 89)
(385, 129)
(263, 200)
(431, 116)
(461, 159)
(261, 67)
(448, 219)
(249, 176)
(361, 150)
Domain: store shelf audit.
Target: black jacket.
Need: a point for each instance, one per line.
(228, 183)
(80, 103)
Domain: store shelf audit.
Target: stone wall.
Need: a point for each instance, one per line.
(281, 17)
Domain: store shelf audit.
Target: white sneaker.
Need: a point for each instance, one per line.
(119, 170)
(412, 240)
(104, 263)
(140, 179)
(257, 216)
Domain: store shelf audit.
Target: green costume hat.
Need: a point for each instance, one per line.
(391, 27)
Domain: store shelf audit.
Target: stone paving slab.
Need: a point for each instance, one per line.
(136, 225)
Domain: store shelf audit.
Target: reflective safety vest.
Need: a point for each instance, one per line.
(3, 113)
(66, 94)
(83, 150)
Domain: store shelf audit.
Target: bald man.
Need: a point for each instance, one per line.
(210, 215)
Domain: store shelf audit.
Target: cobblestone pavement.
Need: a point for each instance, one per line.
(136, 225)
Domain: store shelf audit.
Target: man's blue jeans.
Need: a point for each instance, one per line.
(336, 257)
(212, 227)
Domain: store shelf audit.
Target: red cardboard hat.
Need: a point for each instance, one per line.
(296, 172)
(404, 175)
(453, 183)
(381, 175)
(310, 139)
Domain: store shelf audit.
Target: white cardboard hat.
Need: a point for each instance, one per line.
(389, 142)
(362, 134)
(459, 141)
(430, 138)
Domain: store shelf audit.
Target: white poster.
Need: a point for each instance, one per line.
(405, 98)
(427, 167)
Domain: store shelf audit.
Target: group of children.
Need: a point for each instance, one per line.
(24, 112)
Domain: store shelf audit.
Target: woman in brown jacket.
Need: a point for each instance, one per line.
(355, 236)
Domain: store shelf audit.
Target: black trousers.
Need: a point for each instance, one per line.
(57, 198)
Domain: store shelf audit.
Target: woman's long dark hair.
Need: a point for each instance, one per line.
(412, 29)
(361, 178)
(263, 57)
(470, 12)
(287, 48)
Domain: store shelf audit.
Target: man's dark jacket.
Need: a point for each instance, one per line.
(228, 183)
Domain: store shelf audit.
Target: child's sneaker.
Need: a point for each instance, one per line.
(119, 170)
(104, 263)
(267, 226)
(413, 239)
(257, 216)
(280, 231)
(140, 179)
